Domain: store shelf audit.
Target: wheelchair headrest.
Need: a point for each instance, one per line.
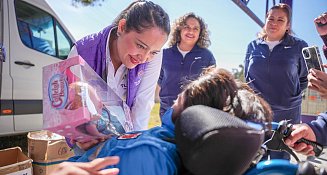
(213, 142)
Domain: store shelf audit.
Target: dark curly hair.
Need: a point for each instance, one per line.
(217, 88)
(203, 41)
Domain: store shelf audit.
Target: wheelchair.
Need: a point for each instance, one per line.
(280, 131)
(213, 142)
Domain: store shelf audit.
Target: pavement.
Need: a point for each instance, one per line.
(318, 162)
(13, 141)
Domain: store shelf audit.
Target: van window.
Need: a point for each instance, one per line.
(40, 31)
(64, 45)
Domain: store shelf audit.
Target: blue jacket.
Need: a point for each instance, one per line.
(279, 76)
(149, 152)
(176, 70)
(319, 127)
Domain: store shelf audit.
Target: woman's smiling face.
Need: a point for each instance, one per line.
(276, 24)
(190, 32)
(136, 48)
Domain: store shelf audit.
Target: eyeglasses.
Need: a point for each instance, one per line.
(189, 28)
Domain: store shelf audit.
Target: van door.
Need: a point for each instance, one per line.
(6, 103)
(36, 39)
(2, 51)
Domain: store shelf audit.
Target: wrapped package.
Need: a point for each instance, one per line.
(78, 104)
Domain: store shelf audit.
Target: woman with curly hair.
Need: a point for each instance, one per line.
(185, 58)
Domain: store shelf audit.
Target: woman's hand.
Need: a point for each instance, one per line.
(318, 81)
(322, 19)
(301, 131)
(88, 168)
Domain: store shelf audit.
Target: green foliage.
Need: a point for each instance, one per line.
(78, 3)
(239, 72)
(154, 116)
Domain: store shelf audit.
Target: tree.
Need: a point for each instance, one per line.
(77, 3)
(239, 72)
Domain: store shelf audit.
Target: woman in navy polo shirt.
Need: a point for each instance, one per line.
(185, 58)
(275, 68)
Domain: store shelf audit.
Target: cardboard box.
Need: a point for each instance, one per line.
(45, 167)
(14, 162)
(47, 150)
(45, 145)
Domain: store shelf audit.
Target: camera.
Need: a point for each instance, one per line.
(306, 53)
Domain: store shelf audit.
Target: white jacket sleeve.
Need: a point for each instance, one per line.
(144, 100)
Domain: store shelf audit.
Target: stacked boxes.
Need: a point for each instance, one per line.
(47, 150)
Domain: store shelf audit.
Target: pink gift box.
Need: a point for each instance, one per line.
(74, 99)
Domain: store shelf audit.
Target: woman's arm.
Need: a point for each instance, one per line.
(144, 100)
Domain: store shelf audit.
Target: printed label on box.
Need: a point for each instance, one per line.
(22, 172)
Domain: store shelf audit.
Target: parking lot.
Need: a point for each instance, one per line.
(15, 140)
(317, 162)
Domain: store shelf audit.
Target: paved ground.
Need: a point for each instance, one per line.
(12, 141)
(317, 162)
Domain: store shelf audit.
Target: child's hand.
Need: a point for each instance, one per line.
(87, 145)
(94, 167)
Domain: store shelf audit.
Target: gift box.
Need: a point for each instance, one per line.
(78, 104)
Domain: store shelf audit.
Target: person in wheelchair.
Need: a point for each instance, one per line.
(219, 100)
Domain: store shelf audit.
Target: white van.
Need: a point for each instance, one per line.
(31, 36)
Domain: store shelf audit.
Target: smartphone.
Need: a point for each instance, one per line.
(312, 58)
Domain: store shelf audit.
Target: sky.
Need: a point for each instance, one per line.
(231, 30)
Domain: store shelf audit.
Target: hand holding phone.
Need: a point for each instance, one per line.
(312, 58)
(321, 24)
